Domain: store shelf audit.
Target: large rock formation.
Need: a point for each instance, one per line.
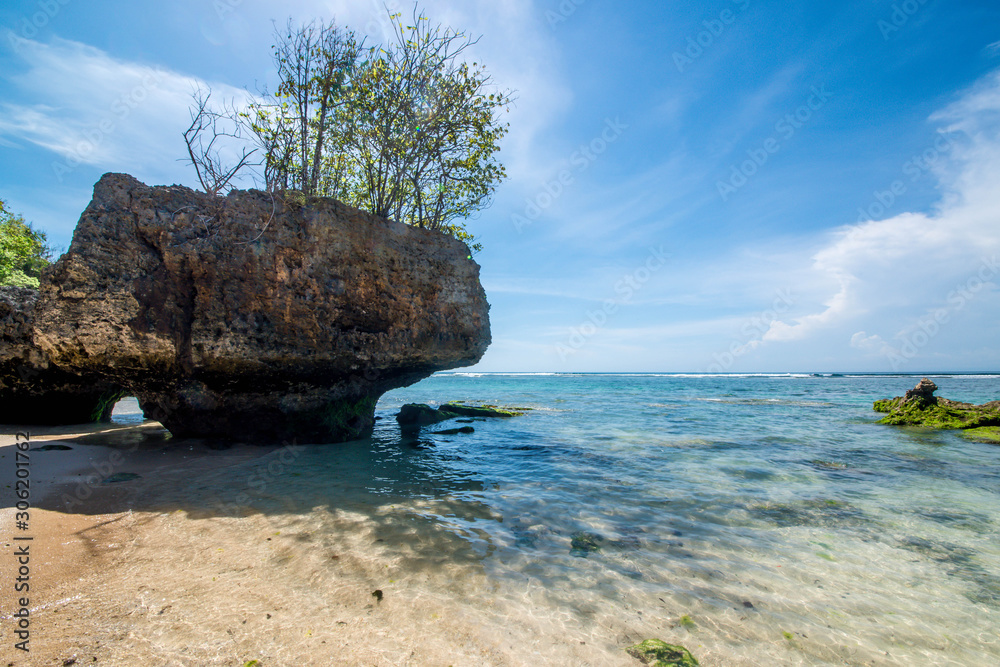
(254, 317)
(33, 391)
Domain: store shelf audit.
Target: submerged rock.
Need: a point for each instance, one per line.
(481, 410)
(583, 544)
(249, 317)
(419, 414)
(658, 653)
(919, 407)
(455, 431)
(32, 389)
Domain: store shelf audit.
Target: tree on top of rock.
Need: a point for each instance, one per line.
(409, 130)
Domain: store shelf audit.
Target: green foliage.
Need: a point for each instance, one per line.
(23, 250)
(425, 129)
(408, 130)
(300, 131)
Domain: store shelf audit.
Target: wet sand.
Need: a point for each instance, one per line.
(140, 572)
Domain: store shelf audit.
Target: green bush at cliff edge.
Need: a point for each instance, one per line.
(23, 250)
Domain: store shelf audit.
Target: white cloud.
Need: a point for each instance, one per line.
(863, 341)
(910, 264)
(89, 108)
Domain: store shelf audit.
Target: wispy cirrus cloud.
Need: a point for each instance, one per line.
(88, 108)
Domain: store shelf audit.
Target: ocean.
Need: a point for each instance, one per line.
(760, 519)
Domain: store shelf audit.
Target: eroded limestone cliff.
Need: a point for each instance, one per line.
(252, 317)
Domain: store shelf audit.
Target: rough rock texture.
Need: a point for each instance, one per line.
(919, 407)
(33, 391)
(255, 318)
(922, 394)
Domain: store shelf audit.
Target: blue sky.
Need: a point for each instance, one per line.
(732, 186)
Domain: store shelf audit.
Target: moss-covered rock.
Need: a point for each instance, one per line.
(919, 407)
(481, 410)
(658, 653)
(418, 414)
(583, 544)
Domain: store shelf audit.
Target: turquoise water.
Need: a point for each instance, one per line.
(706, 488)
(757, 520)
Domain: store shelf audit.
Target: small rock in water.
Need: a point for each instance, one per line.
(584, 544)
(748, 604)
(419, 414)
(923, 392)
(455, 431)
(51, 448)
(121, 477)
(658, 653)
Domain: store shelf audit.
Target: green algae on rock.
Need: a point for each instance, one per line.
(658, 653)
(582, 544)
(481, 410)
(919, 407)
(419, 414)
(990, 434)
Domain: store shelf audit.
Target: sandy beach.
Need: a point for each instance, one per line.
(561, 537)
(139, 572)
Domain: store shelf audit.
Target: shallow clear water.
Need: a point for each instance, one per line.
(753, 519)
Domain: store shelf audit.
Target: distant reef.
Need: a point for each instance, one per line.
(920, 407)
(250, 317)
